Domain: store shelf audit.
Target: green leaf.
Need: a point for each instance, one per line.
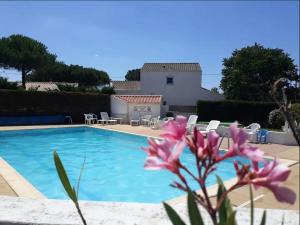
(263, 219)
(231, 219)
(194, 213)
(174, 217)
(251, 206)
(225, 208)
(64, 178)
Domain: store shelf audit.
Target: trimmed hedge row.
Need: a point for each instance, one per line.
(244, 112)
(35, 103)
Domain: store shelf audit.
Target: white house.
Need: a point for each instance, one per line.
(123, 106)
(180, 84)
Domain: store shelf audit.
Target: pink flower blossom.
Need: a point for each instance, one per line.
(241, 147)
(212, 143)
(271, 176)
(197, 144)
(175, 130)
(163, 154)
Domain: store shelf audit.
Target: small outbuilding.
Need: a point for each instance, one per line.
(124, 106)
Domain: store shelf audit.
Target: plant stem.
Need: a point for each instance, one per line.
(80, 213)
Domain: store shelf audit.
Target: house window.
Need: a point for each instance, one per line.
(170, 80)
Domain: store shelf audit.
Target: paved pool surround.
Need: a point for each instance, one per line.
(47, 211)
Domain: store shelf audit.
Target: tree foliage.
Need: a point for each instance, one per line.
(108, 90)
(24, 54)
(60, 72)
(5, 84)
(249, 72)
(215, 90)
(133, 75)
(33, 59)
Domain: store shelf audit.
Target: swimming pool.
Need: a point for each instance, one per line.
(113, 168)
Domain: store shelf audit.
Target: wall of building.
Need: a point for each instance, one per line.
(118, 108)
(145, 109)
(186, 89)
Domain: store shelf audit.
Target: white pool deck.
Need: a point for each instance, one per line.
(32, 207)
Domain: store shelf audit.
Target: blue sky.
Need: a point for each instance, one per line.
(118, 36)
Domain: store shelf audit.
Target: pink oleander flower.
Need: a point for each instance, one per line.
(271, 176)
(197, 144)
(241, 147)
(175, 130)
(163, 154)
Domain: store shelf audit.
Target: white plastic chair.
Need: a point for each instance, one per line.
(135, 119)
(95, 118)
(252, 130)
(88, 118)
(212, 126)
(106, 118)
(155, 123)
(146, 120)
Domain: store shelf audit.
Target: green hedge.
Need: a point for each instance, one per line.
(229, 111)
(32, 103)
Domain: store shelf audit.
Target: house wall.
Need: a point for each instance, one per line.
(143, 109)
(186, 89)
(118, 108)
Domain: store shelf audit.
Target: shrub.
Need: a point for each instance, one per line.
(169, 114)
(108, 90)
(244, 112)
(33, 103)
(276, 119)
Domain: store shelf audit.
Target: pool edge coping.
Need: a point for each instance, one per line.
(19, 184)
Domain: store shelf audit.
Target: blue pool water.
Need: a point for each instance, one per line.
(113, 168)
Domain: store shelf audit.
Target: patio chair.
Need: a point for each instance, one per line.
(252, 131)
(106, 118)
(191, 123)
(146, 120)
(155, 123)
(262, 136)
(212, 126)
(135, 119)
(95, 118)
(88, 118)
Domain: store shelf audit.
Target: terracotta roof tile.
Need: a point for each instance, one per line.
(126, 85)
(140, 99)
(176, 67)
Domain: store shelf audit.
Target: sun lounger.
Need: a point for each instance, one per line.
(212, 126)
(106, 119)
(191, 123)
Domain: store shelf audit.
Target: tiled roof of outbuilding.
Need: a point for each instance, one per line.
(140, 99)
